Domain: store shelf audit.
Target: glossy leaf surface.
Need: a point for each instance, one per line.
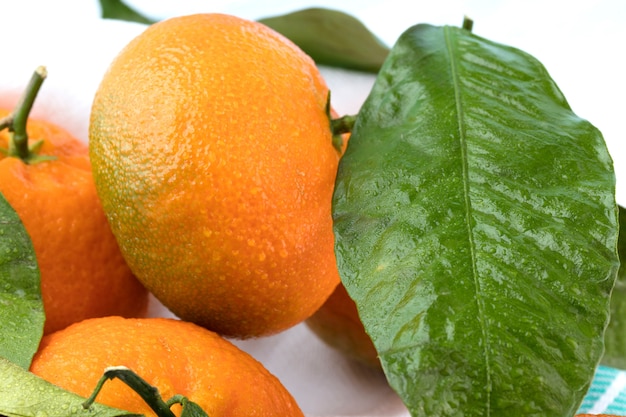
(476, 227)
(615, 336)
(23, 394)
(21, 308)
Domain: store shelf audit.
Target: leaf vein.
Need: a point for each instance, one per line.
(456, 83)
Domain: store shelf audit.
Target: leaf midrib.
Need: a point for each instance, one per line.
(451, 49)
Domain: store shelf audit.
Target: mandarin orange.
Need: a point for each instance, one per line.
(83, 273)
(178, 358)
(212, 152)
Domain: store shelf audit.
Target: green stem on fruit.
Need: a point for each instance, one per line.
(21, 112)
(17, 120)
(147, 392)
(6, 121)
(343, 124)
(468, 24)
(340, 127)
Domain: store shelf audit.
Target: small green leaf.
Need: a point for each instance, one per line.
(332, 38)
(21, 308)
(23, 394)
(117, 9)
(615, 336)
(476, 230)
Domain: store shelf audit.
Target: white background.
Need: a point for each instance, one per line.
(582, 44)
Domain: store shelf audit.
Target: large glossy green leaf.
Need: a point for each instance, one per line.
(21, 308)
(615, 336)
(476, 228)
(23, 394)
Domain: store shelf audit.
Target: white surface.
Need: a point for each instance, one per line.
(580, 42)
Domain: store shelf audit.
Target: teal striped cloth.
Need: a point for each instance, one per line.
(607, 394)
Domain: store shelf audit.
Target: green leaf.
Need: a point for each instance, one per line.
(476, 227)
(331, 38)
(615, 336)
(117, 9)
(23, 394)
(21, 309)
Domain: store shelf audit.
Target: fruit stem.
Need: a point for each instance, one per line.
(147, 392)
(339, 127)
(343, 124)
(6, 121)
(468, 24)
(19, 143)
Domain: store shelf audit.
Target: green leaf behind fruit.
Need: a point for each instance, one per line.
(476, 228)
(21, 308)
(117, 9)
(331, 38)
(23, 394)
(615, 336)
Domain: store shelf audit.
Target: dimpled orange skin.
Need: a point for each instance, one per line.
(82, 271)
(213, 156)
(175, 356)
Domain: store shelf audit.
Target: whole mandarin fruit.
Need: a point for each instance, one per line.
(174, 356)
(212, 152)
(337, 324)
(83, 273)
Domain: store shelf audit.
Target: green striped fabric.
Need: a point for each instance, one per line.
(607, 394)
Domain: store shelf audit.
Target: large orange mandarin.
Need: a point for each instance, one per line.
(83, 273)
(175, 356)
(213, 157)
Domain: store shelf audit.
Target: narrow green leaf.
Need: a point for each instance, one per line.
(476, 228)
(117, 9)
(23, 394)
(21, 309)
(332, 38)
(615, 336)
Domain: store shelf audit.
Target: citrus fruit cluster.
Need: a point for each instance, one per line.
(207, 182)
